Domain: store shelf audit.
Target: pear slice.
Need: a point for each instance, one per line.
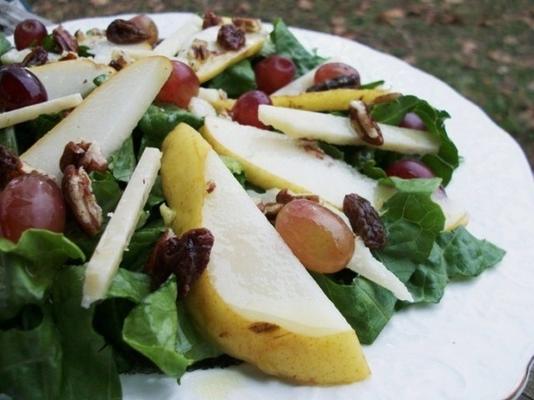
(107, 256)
(300, 124)
(255, 300)
(216, 63)
(69, 77)
(173, 43)
(107, 116)
(13, 117)
(274, 160)
(328, 100)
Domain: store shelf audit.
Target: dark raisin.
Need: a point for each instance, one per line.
(121, 31)
(38, 56)
(64, 39)
(10, 166)
(211, 19)
(230, 37)
(365, 221)
(347, 81)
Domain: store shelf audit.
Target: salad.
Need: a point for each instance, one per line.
(218, 196)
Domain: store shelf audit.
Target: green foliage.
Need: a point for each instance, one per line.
(235, 80)
(5, 46)
(122, 161)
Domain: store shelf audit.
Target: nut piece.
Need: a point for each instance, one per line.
(79, 196)
(346, 81)
(121, 31)
(363, 123)
(270, 210)
(10, 166)
(284, 197)
(118, 63)
(365, 221)
(211, 19)
(312, 147)
(199, 50)
(249, 25)
(83, 154)
(187, 257)
(38, 56)
(64, 39)
(230, 37)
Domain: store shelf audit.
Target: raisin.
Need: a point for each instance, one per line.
(38, 56)
(365, 221)
(10, 166)
(211, 19)
(230, 37)
(347, 81)
(121, 31)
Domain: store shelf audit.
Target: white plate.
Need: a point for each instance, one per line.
(477, 342)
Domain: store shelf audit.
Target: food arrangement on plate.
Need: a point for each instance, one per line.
(219, 195)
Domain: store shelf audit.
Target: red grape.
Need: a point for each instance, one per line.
(181, 86)
(274, 72)
(31, 201)
(409, 169)
(320, 239)
(245, 110)
(19, 88)
(413, 121)
(29, 33)
(333, 70)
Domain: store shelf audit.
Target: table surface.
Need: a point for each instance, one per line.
(528, 393)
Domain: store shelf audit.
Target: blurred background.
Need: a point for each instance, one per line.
(483, 48)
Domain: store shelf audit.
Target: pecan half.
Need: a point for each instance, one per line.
(83, 154)
(10, 166)
(270, 210)
(64, 39)
(38, 56)
(365, 221)
(79, 196)
(312, 147)
(199, 50)
(363, 123)
(121, 31)
(230, 37)
(249, 25)
(187, 257)
(211, 19)
(347, 81)
(284, 197)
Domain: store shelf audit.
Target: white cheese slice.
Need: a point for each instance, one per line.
(302, 124)
(107, 256)
(107, 116)
(170, 46)
(10, 118)
(68, 77)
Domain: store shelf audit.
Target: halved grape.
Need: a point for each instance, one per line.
(274, 72)
(320, 239)
(245, 110)
(334, 70)
(413, 121)
(19, 88)
(31, 201)
(181, 86)
(409, 169)
(29, 33)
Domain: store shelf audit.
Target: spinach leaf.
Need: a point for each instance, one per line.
(372, 85)
(428, 281)
(141, 245)
(5, 46)
(466, 256)
(133, 286)
(286, 44)
(122, 161)
(447, 160)
(151, 328)
(235, 168)
(9, 139)
(156, 194)
(190, 342)
(235, 80)
(370, 162)
(366, 306)
(106, 190)
(100, 79)
(332, 150)
(158, 121)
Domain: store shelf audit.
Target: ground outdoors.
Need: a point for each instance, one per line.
(483, 48)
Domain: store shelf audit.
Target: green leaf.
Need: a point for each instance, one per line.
(286, 44)
(466, 256)
(100, 79)
(235, 168)
(420, 186)
(235, 80)
(133, 286)
(156, 196)
(372, 85)
(84, 51)
(370, 162)
(157, 122)
(5, 45)
(50, 45)
(366, 306)
(143, 240)
(332, 150)
(122, 161)
(151, 328)
(106, 190)
(447, 160)
(8, 139)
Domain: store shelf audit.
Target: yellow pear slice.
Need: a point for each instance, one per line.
(255, 300)
(328, 100)
(107, 116)
(215, 64)
(300, 124)
(69, 77)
